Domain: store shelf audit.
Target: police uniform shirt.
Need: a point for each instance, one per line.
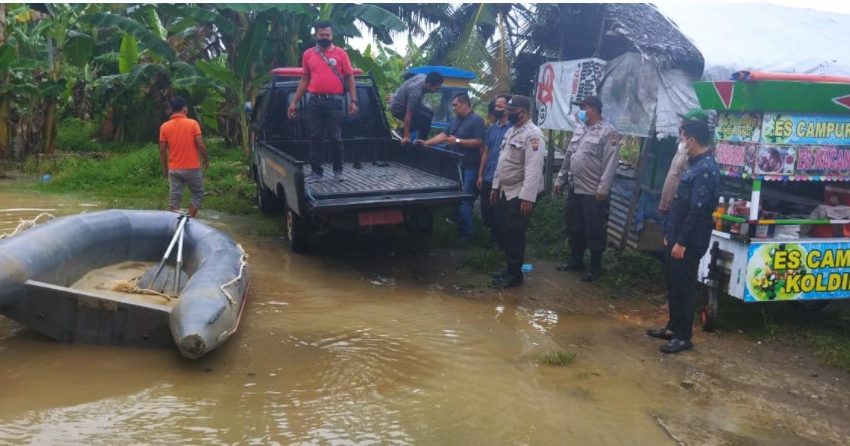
(591, 160)
(519, 171)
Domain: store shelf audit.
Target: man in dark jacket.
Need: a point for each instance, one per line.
(687, 233)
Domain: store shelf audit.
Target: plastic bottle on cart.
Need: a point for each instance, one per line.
(730, 210)
(719, 212)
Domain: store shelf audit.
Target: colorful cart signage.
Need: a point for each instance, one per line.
(792, 96)
(787, 147)
(780, 128)
(797, 271)
(738, 126)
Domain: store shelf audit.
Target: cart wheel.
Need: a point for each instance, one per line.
(810, 305)
(708, 314)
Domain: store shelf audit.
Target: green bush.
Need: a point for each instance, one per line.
(133, 178)
(76, 135)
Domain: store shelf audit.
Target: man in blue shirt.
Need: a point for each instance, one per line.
(687, 233)
(465, 135)
(489, 159)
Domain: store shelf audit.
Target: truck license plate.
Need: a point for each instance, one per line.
(374, 218)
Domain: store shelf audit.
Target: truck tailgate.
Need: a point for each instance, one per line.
(378, 179)
(381, 185)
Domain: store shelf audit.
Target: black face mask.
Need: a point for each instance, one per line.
(513, 118)
(324, 43)
(498, 113)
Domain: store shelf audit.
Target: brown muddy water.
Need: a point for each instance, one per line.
(329, 353)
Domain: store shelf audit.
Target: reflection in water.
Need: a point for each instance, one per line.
(330, 354)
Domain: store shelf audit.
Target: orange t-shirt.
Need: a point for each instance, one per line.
(180, 132)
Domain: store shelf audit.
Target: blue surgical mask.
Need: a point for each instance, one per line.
(582, 116)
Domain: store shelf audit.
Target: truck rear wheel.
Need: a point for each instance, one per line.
(420, 222)
(297, 231)
(266, 199)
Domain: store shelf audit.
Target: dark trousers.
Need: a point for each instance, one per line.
(421, 121)
(488, 212)
(514, 225)
(587, 225)
(681, 275)
(325, 118)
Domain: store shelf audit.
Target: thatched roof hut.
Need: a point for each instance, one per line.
(605, 31)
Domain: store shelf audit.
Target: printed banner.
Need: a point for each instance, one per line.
(781, 128)
(775, 160)
(738, 127)
(786, 163)
(797, 271)
(735, 159)
(561, 83)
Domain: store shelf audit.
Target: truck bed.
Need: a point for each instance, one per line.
(376, 179)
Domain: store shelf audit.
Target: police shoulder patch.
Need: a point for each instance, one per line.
(613, 138)
(535, 143)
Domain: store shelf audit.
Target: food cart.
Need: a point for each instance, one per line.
(782, 142)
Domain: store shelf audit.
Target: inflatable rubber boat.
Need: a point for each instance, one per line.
(94, 278)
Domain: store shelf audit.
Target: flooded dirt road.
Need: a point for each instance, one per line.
(340, 348)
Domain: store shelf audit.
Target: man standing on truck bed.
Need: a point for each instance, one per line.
(327, 69)
(406, 105)
(465, 135)
(180, 146)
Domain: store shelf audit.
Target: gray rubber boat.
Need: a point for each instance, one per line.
(67, 279)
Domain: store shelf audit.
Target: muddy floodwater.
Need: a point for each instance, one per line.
(330, 352)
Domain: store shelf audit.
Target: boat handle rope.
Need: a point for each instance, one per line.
(26, 224)
(243, 261)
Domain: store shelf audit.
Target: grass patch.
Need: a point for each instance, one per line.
(132, 178)
(557, 358)
(825, 333)
(483, 260)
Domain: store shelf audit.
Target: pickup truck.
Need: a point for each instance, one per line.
(398, 184)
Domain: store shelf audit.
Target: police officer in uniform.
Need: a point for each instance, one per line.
(517, 182)
(590, 165)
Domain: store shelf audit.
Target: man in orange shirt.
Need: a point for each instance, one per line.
(180, 147)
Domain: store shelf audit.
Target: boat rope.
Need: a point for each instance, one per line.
(243, 261)
(26, 224)
(132, 286)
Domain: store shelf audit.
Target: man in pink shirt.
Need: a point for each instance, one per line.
(327, 70)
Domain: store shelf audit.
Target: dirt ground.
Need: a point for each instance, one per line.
(784, 387)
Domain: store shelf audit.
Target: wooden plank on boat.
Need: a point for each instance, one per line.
(73, 315)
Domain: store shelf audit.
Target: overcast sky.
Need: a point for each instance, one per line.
(682, 12)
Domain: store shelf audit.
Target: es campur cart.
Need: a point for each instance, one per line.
(773, 129)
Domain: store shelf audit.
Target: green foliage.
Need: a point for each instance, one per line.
(630, 271)
(546, 237)
(76, 135)
(483, 260)
(630, 150)
(557, 358)
(133, 178)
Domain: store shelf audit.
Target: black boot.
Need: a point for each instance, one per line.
(508, 281)
(574, 264)
(595, 267)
